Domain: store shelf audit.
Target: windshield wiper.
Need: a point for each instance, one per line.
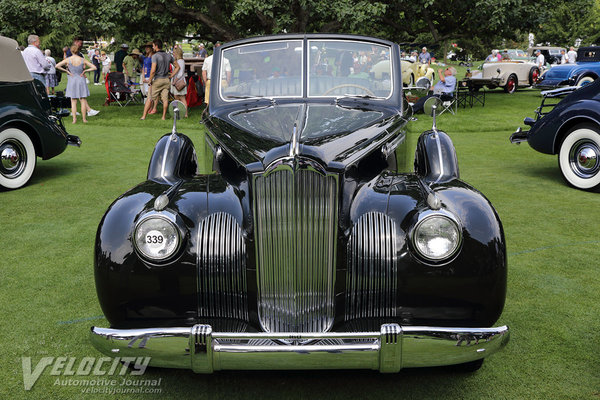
(245, 96)
(359, 96)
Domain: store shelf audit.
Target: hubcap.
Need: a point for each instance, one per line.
(583, 158)
(12, 159)
(511, 85)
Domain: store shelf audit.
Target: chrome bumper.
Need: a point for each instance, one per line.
(392, 348)
(518, 136)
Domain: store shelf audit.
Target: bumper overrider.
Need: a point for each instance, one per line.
(392, 348)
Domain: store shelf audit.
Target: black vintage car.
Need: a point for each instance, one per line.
(30, 125)
(567, 123)
(314, 244)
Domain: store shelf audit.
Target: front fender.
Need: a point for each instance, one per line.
(435, 157)
(132, 291)
(469, 288)
(174, 158)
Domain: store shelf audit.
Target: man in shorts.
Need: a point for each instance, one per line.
(160, 78)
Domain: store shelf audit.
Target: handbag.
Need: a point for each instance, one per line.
(180, 83)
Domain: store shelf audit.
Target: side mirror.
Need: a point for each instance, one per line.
(498, 70)
(430, 107)
(176, 107)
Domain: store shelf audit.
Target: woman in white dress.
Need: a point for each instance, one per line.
(179, 94)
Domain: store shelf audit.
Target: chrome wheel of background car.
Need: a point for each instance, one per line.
(579, 157)
(586, 80)
(17, 158)
(511, 84)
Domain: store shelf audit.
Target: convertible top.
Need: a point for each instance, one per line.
(12, 65)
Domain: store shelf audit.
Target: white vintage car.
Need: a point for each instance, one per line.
(509, 75)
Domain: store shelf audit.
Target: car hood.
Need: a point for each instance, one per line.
(333, 134)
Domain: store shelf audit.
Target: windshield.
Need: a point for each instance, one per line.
(336, 68)
(269, 69)
(347, 68)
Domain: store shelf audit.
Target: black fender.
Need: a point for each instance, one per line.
(174, 158)
(134, 292)
(470, 287)
(435, 157)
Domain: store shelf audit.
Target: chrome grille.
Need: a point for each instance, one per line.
(222, 268)
(372, 276)
(296, 220)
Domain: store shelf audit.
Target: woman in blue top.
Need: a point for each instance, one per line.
(146, 68)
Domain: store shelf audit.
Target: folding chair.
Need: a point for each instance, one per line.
(463, 94)
(449, 102)
(118, 91)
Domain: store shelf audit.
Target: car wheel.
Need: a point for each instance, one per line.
(17, 158)
(534, 75)
(511, 84)
(579, 157)
(585, 80)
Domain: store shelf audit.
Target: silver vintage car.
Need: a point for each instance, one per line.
(507, 74)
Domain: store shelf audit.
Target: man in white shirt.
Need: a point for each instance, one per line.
(35, 60)
(563, 57)
(207, 70)
(540, 60)
(572, 55)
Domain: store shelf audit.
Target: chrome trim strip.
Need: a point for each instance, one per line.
(295, 207)
(392, 348)
(372, 273)
(221, 267)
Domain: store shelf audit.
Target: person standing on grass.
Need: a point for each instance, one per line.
(179, 94)
(105, 65)
(131, 66)
(120, 56)
(96, 61)
(207, 72)
(160, 78)
(35, 60)
(51, 81)
(76, 86)
(146, 68)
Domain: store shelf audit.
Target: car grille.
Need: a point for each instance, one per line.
(296, 218)
(222, 268)
(372, 275)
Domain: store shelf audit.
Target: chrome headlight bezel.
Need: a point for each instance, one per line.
(428, 216)
(168, 218)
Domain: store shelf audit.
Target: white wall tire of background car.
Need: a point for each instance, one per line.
(17, 158)
(579, 157)
(586, 80)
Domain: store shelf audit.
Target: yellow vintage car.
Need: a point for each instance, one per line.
(412, 71)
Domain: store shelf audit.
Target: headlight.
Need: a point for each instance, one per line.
(156, 238)
(436, 237)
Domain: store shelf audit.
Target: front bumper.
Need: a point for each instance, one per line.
(389, 350)
(480, 81)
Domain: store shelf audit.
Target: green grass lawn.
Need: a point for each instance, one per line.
(49, 299)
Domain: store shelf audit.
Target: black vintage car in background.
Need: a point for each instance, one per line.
(567, 123)
(314, 244)
(30, 125)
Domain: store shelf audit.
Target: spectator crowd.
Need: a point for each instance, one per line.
(156, 73)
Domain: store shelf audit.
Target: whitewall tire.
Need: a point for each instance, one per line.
(579, 157)
(586, 80)
(17, 158)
